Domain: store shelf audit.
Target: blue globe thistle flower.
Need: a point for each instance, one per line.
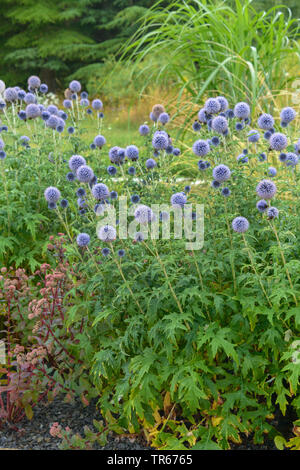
(4, 129)
(201, 148)
(239, 126)
(139, 237)
(164, 118)
(262, 205)
(282, 157)
(80, 192)
(265, 121)
(266, 189)
(215, 141)
(178, 199)
(84, 102)
(226, 192)
(229, 114)
(115, 156)
(70, 176)
(52, 122)
(10, 94)
(21, 94)
(97, 104)
(24, 139)
(150, 163)
(153, 117)
(143, 214)
(101, 115)
(52, 109)
(84, 174)
(75, 86)
(169, 149)
(288, 114)
(267, 135)
(60, 128)
(67, 104)
(272, 171)
(272, 212)
(99, 141)
(242, 158)
(52, 194)
(100, 191)
(160, 140)
(111, 170)
(44, 88)
(2, 155)
(2, 144)
(74, 96)
(212, 106)
(245, 151)
(75, 162)
(93, 181)
(278, 141)
(45, 115)
(253, 136)
(202, 165)
(215, 184)
(203, 115)
(132, 152)
(22, 115)
(2, 104)
(82, 211)
(89, 111)
(84, 95)
(223, 103)
(34, 82)
(81, 202)
(92, 146)
(30, 98)
(187, 189)
(144, 129)
(105, 251)
(113, 195)
(62, 115)
(64, 203)
(291, 159)
(219, 124)
(71, 130)
(131, 170)
(176, 152)
(240, 224)
(135, 198)
(221, 173)
(52, 205)
(242, 110)
(107, 233)
(284, 124)
(196, 126)
(121, 253)
(83, 239)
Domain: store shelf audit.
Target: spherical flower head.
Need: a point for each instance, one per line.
(62, 115)
(282, 157)
(52, 109)
(135, 198)
(187, 188)
(99, 141)
(266, 189)
(291, 159)
(202, 165)
(196, 126)
(201, 148)
(84, 102)
(75, 86)
(30, 98)
(265, 121)
(215, 141)
(253, 136)
(239, 126)
(169, 149)
(71, 130)
(115, 156)
(178, 199)
(97, 104)
(32, 111)
(202, 115)
(272, 212)
(44, 88)
(92, 146)
(70, 176)
(262, 205)
(144, 129)
(52, 205)
(139, 237)
(242, 110)
(21, 94)
(223, 103)
(262, 157)
(2, 155)
(67, 104)
(132, 152)
(24, 139)
(212, 106)
(221, 173)
(131, 170)
(215, 184)
(278, 141)
(113, 195)
(34, 82)
(107, 233)
(176, 152)
(100, 191)
(75, 162)
(164, 118)
(229, 114)
(226, 192)
(143, 214)
(219, 124)
(288, 114)
(153, 117)
(2, 144)
(64, 203)
(160, 140)
(272, 171)
(157, 110)
(83, 239)
(240, 224)
(111, 170)
(52, 194)
(84, 174)
(105, 251)
(52, 122)
(121, 253)
(45, 115)
(150, 163)
(10, 94)
(80, 192)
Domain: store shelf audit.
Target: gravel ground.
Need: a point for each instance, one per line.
(34, 434)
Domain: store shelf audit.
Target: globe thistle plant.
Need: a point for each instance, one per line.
(178, 199)
(100, 191)
(84, 174)
(219, 124)
(278, 141)
(272, 212)
(201, 148)
(99, 141)
(132, 152)
(143, 214)
(107, 233)
(75, 86)
(240, 224)
(52, 194)
(83, 239)
(242, 110)
(75, 162)
(265, 121)
(262, 205)
(34, 82)
(287, 115)
(144, 129)
(221, 173)
(266, 189)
